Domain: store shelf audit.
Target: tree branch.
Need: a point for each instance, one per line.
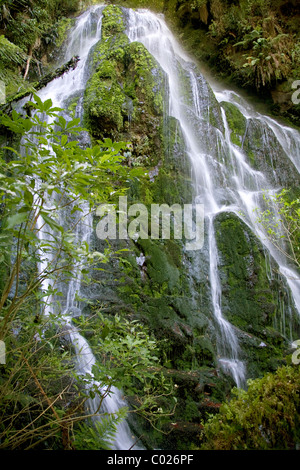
(70, 65)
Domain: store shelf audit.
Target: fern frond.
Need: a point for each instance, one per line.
(101, 434)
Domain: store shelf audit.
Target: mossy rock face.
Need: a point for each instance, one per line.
(104, 97)
(124, 96)
(261, 147)
(236, 121)
(267, 155)
(209, 108)
(252, 299)
(112, 23)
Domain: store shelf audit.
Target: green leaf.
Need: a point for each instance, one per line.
(28, 197)
(64, 140)
(47, 105)
(15, 219)
(51, 222)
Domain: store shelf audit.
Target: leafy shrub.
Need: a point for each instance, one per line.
(267, 416)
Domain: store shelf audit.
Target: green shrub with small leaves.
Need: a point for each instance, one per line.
(281, 222)
(266, 416)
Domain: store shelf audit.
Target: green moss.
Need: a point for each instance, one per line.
(251, 299)
(62, 28)
(112, 23)
(111, 49)
(236, 122)
(124, 96)
(245, 275)
(265, 417)
(104, 103)
(161, 268)
(144, 73)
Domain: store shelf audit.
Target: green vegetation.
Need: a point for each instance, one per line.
(281, 221)
(42, 396)
(34, 383)
(266, 416)
(269, 61)
(257, 39)
(31, 33)
(125, 91)
(11, 56)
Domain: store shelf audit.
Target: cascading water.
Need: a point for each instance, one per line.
(154, 34)
(228, 347)
(82, 38)
(224, 179)
(251, 198)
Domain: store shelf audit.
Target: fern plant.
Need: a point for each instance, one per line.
(268, 59)
(99, 435)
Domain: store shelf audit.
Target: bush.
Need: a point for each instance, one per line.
(267, 416)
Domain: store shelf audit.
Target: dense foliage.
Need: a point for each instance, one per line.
(258, 40)
(28, 32)
(266, 416)
(42, 396)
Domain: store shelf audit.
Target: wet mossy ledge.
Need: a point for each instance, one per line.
(236, 122)
(261, 147)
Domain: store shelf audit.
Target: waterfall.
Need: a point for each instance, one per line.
(224, 179)
(228, 345)
(154, 34)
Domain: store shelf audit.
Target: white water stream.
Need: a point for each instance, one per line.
(221, 169)
(85, 34)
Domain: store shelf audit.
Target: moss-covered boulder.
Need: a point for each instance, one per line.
(124, 96)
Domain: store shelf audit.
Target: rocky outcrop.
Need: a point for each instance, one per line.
(125, 93)
(261, 146)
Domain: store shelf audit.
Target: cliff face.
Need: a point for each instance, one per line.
(161, 283)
